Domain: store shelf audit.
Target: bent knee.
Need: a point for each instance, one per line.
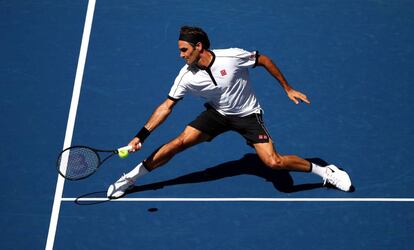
(275, 163)
(177, 144)
(180, 143)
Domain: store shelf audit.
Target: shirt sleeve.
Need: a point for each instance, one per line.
(246, 58)
(178, 90)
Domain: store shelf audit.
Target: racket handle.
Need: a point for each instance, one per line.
(128, 148)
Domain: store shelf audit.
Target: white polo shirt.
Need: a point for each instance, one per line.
(225, 84)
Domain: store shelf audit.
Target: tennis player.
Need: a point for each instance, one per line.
(221, 77)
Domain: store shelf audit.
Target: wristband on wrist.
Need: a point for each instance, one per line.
(143, 134)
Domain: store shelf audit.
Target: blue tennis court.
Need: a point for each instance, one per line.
(353, 59)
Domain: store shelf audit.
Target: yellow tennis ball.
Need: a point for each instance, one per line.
(123, 154)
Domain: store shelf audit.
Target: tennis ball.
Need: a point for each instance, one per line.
(123, 154)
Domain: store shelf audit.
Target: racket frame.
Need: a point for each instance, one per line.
(94, 150)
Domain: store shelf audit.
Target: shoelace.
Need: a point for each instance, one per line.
(330, 178)
(127, 179)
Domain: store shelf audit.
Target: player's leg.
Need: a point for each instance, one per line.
(205, 127)
(253, 129)
(330, 174)
(189, 137)
(274, 160)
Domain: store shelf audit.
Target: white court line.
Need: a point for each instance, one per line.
(245, 199)
(71, 120)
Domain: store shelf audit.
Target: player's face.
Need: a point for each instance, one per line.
(189, 53)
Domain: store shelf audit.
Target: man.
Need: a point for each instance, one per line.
(221, 78)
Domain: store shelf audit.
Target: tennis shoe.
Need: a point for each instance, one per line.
(337, 178)
(119, 188)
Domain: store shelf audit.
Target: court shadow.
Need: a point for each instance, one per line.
(250, 164)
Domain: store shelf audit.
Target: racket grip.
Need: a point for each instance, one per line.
(128, 148)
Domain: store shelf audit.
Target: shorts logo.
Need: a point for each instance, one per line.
(223, 72)
(263, 137)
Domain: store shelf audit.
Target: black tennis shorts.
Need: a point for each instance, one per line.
(251, 127)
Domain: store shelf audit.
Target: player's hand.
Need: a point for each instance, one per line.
(297, 96)
(136, 144)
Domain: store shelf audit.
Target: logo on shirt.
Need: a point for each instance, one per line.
(223, 72)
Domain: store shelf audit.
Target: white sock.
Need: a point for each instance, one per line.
(318, 170)
(138, 171)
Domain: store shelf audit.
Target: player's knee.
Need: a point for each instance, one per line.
(177, 144)
(275, 163)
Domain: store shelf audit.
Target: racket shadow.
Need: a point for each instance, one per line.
(90, 198)
(250, 164)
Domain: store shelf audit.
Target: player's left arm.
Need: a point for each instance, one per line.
(271, 67)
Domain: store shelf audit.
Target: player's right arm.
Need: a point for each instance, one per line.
(159, 115)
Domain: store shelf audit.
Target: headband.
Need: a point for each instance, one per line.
(190, 38)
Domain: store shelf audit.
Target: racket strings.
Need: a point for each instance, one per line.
(76, 163)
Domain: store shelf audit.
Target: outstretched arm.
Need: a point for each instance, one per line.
(159, 115)
(294, 95)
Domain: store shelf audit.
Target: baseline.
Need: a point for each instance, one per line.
(245, 199)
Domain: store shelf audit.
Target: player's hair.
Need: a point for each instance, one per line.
(194, 35)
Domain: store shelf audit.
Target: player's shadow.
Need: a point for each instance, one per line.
(250, 164)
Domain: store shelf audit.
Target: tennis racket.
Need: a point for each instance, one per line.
(79, 162)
